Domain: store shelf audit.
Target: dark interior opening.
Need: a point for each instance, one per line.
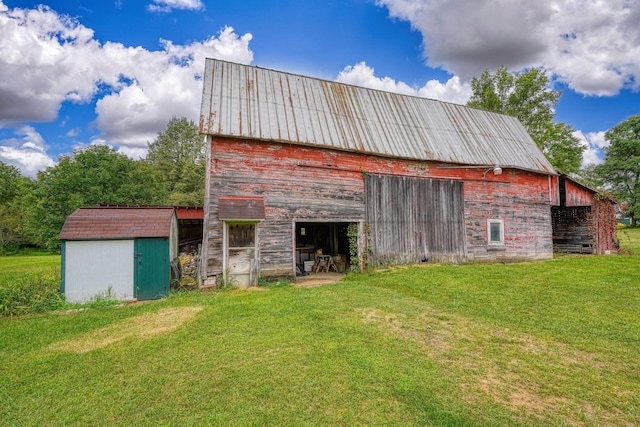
(331, 237)
(189, 235)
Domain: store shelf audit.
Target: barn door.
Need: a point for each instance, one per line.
(152, 268)
(413, 220)
(242, 253)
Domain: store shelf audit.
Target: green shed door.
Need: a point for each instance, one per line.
(152, 268)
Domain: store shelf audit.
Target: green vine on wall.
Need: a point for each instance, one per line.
(359, 259)
(352, 234)
(604, 217)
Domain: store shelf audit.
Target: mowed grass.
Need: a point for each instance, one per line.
(10, 266)
(540, 343)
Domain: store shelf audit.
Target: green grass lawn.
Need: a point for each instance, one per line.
(630, 239)
(29, 284)
(12, 265)
(541, 343)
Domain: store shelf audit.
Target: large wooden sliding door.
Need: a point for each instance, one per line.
(413, 220)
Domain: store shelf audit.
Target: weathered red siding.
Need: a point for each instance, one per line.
(554, 190)
(521, 200)
(578, 195)
(312, 184)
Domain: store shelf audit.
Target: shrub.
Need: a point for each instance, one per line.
(30, 293)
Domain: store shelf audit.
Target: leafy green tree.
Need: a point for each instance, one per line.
(620, 171)
(179, 154)
(89, 177)
(13, 189)
(9, 183)
(527, 96)
(562, 148)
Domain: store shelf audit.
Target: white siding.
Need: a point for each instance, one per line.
(94, 268)
(173, 238)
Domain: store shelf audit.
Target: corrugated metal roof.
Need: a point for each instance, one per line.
(256, 103)
(117, 223)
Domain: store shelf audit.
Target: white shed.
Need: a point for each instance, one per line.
(120, 253)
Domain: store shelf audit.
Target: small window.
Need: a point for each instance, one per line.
(495, 232)
(242, 235)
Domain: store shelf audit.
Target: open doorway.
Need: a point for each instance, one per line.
(241, 249)
(331, 238)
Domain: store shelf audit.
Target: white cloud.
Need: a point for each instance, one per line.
(162, 85)
(27, 152)
(47, 59)
(134, 153)
(165, 6)
(592, 45)
(594, 143)
(363, 75)
(73, 133)
(36, 45)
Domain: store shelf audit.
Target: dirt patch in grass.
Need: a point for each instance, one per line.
(254, 288)
(517, 370)
(318, 279)
(141, 327)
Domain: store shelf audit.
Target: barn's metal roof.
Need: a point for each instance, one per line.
(255, 103)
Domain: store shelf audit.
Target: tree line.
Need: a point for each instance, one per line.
(33, 211)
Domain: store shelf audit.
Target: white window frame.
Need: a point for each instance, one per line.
(495, 242)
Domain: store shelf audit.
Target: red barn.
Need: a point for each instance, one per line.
(297, 164)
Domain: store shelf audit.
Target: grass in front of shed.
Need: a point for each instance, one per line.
(541, 343)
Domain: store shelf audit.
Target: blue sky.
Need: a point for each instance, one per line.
(81, 72)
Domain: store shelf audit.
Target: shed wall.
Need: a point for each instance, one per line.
(93, 268)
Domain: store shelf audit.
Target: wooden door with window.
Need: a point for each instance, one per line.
(242, 253)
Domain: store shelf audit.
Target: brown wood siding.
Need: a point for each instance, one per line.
(412, 220)
(573, 230)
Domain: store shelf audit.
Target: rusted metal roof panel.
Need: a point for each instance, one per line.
(189, 212)
(256, 103)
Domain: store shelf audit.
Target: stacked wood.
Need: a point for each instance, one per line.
(189, 266)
